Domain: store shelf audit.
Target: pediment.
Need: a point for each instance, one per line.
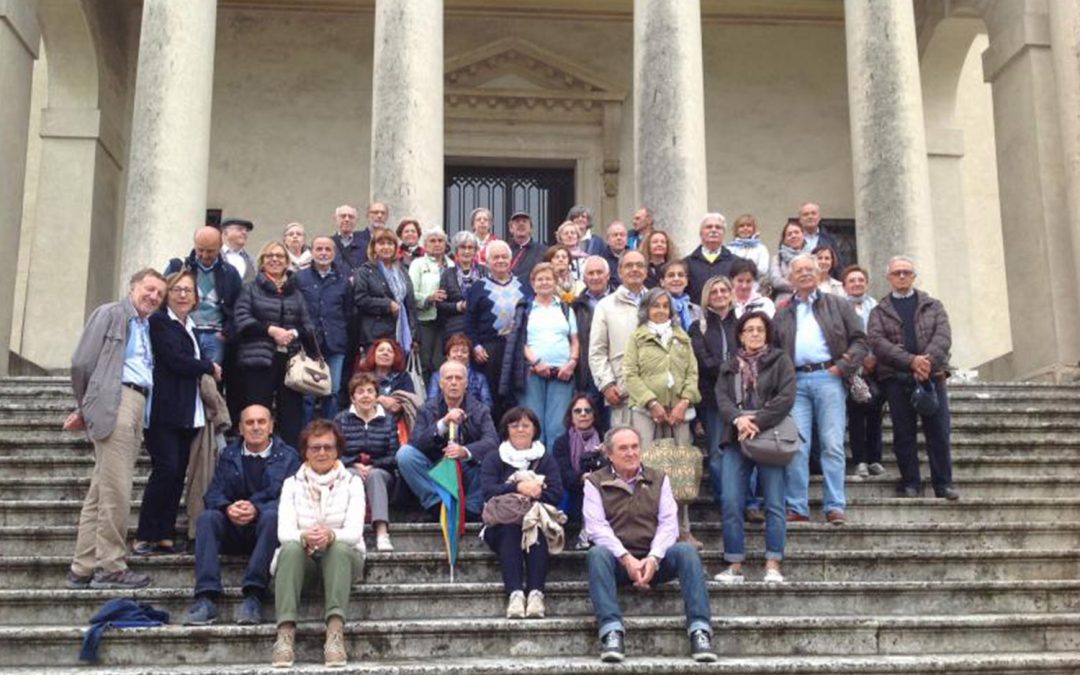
(519, 70)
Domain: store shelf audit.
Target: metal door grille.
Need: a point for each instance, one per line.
(545, 194)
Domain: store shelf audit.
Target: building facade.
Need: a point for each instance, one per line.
(949, 131)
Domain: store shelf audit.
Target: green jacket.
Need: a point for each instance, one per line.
(647, 364)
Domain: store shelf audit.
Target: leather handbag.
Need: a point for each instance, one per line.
(506, 509)
(308, 376)
(683, 465)
(775, 446)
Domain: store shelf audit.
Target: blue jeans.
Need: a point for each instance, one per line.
(548, 398)
(711, 419)
(736, 473)
(606, 574)
(414, 466)
(821, 401)
(216, 534)
(211, 346)
(330, 405)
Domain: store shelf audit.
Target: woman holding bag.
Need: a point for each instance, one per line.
(662, 380)
(755, 392)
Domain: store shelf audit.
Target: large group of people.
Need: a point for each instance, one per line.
(547, 373)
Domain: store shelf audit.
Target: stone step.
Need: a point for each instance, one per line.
(176, 571)
(394, 602)
(666, 636)
(419, 537)
(982, 663)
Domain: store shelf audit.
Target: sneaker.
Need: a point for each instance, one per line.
(754, 515)
(947, 492)
(382, 543)
(534, 606)
(701, 646)
(836, 517)
(730, 576)
(862, 470)
(612, 647)
(515, 607)
(249, 613)
(202, 612)
(773, 576)
(876, 469)
(123, 579)
(582, 542)
(77, 582)
(144, 548)
(334, 649)
(284, 654)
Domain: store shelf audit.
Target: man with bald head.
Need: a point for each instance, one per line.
(241, 517)
(810, 220)
(219, 285)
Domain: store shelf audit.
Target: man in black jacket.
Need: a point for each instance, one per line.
(455, 426)
(219, 285)
(351, 247)
(525, 251)
(711, 258)
(597, 285)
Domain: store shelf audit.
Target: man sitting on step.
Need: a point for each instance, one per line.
(241, 516)
(632, 520)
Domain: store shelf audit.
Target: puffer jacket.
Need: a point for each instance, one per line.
(377, 439)
(648, 363)
(932, 332)
(840, 325)
(261, 306)
(774, 393)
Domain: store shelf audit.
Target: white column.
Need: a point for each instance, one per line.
(170, 136)
(1065, 48)
(893, 212)
(19, 41)
(407, 110)
(669, 115)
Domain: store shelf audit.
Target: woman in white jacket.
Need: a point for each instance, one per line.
(321, 531)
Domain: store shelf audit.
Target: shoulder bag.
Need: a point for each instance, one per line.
(775, 446)
(309, 376)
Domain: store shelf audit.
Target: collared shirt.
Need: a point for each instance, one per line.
(811, 240)
(262, 455)
(901, 296)
(345, 241)
(236, 259)
(189, 326)
(810, 344)
(138, 356)
(636, 297)
(593, 299)
(601, 533)
(711, 256)
(863, 305)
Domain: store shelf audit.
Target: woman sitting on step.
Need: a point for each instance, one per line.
(321, 531)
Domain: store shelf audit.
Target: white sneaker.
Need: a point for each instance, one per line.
(534, 606)
(730, 576)
(382, 542)
(515, 608)
(876, 469)
(862, 470)
(773, 576)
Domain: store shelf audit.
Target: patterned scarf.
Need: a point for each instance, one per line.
(786, 253)
(750, 242)
(749, 363)
(582, 443)
(319, 486)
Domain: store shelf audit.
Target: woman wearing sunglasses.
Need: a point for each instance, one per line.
(579, 451)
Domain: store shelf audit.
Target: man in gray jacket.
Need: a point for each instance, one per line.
(112, 377)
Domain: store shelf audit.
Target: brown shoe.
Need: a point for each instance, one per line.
(754, 516)
(334, 650)
(284, 654)
(689, 538)
(836, 517)
(793, 517)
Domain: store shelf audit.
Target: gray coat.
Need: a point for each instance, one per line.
(98, 364)
(841, 326)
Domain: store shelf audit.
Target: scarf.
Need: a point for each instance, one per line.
(680, 306)
(582, 443)
(751, 242)
(318, 487)
(466, 279)
(302, 261)
(664, 331)
(395, 278)
(520, 459)
(749, 362)
(279, 284)
(786, 253)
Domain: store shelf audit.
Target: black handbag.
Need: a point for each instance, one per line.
(775, 446)
(924, 398)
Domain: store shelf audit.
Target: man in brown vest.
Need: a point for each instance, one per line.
(632, 520)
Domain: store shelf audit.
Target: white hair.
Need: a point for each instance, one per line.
(597, 259)
(715, 214)
(436, 232)
(498, 243)
(344, 207)
(899, 258)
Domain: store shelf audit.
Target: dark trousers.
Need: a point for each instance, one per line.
(431, 347)
(216, 534)
(266, 386)
(936, 430)
(505, 540)
(233, 380)
(169, 448)
(492, 370)
(864, 429)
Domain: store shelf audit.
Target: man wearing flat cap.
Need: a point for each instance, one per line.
(235, 231)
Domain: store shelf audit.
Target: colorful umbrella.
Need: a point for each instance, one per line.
(447, 477)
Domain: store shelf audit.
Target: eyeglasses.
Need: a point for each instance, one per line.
(754, 329)
(902, 273)
(582, 411)
(274, 256)
(182, 290)
(324, 447)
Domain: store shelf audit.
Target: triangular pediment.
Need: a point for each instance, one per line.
(517, 66)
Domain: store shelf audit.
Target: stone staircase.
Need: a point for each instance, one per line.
(989, 584)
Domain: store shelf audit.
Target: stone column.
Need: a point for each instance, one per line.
(407, 110)
(170, 135)
(1065, 49)
(1039, 249)
(19, 41)
(669, 115)
(888, 141)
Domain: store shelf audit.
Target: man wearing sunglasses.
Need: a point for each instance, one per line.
(910, 335)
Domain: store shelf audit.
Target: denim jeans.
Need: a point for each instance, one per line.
(414, 465)
(936, 429)
(330, 405)
(211, 345)
(216, 534)
(606, 574)
(821, 401)
(737, 469)
(711, 419)
(548, 398)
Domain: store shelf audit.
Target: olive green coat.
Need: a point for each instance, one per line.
(647, 364)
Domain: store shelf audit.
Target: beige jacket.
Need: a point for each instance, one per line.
(614, 320)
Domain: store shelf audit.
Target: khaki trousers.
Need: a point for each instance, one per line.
(102, 538)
